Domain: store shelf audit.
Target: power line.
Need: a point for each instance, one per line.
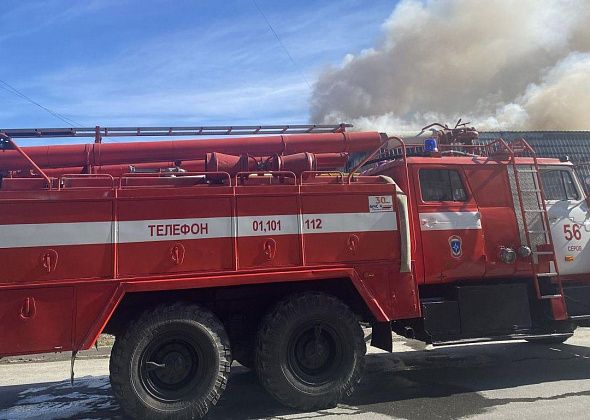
(281, 43)
(9, 88)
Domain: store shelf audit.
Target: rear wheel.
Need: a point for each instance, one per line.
(310, 351)
(173, 361)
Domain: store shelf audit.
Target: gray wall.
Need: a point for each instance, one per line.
(575, 144)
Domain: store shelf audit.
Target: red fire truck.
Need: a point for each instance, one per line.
(255, 248)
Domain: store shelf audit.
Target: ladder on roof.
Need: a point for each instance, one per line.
(537, 229)
(99, 132)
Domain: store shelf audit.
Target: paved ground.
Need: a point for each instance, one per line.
(501, 380)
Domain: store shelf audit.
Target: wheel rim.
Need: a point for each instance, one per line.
(172, 367)
(315, 354)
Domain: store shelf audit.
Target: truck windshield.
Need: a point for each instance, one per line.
(558, 184)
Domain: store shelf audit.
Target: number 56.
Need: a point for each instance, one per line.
(573, 232)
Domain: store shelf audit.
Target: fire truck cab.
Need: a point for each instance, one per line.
(473, 260)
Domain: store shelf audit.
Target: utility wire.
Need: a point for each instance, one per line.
(281, 43)
(9, 88)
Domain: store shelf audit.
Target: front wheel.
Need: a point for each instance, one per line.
(310, 351)
(172, 362)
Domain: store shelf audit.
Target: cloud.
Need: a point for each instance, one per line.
(210, 65)
(29, 17)
(183, 76)
(500, 64)
(238, 104)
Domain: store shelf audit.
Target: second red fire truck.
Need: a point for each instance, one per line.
(255, 248)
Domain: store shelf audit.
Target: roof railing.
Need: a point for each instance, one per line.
(99, 132)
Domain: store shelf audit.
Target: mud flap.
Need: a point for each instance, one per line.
(72, 361)
(381, 336)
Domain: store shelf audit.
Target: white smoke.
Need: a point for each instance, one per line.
(501, 64)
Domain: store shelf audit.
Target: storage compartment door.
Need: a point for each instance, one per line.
(36, 320)
(268, 231)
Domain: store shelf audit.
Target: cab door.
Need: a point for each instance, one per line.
(569, 219)
(450, 225)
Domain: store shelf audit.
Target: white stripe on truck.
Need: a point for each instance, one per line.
(450, 220)
(46, 234)
(88, 233)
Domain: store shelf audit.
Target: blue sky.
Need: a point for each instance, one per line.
(156, 62)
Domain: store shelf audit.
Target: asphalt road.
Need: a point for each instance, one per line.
(500, 380)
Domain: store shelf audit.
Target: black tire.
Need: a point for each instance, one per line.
(310, 351)
(549, 340)
(194, 345)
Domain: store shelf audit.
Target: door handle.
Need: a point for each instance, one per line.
(270, 248)
(353, 243)
(49, 260)
(429, 222)
(177, 254)
(28, 309)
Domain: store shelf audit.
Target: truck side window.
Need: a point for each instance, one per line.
(441, 185)
(558, 184)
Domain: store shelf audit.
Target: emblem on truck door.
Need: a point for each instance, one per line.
(455, 245)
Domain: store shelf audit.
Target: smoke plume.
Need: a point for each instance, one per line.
(501, 64)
